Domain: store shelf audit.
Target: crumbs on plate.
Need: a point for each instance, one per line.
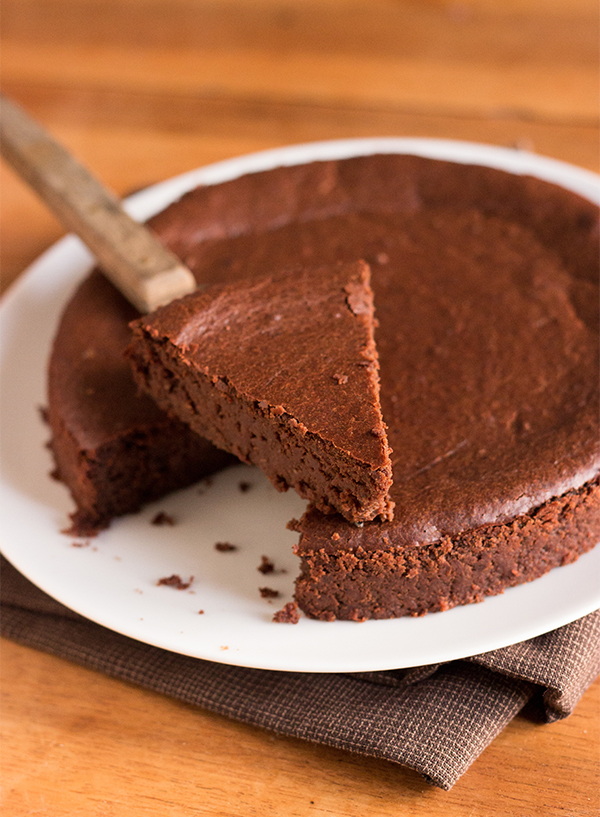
(268, 593)
(163, 518)
(175, 581)
(289, 614)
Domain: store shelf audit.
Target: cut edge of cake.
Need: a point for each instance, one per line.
(373, 578)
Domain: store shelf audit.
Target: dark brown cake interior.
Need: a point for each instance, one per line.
(113, 447)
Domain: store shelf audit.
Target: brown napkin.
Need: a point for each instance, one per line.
(434, 719)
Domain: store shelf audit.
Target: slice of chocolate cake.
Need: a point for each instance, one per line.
(281, 371)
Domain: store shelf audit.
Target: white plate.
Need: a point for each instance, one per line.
(113, 580)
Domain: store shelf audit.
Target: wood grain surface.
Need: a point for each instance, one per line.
(143, 89)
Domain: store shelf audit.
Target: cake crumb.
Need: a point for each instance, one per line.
(224, 648)
(200, 612)
(266, 565)
(245, 487)
(205, 484)
(341, 379)
(163, 518)
(79, 528)
(175, 581)
(288, 615)
(335, 536)
(84, 544)
(268, 593)
(225, 547)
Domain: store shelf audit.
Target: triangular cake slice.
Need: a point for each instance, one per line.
(283, 372)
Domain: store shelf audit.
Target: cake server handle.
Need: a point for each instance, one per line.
(130, 255)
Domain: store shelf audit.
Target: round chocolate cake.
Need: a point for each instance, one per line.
(486, 293)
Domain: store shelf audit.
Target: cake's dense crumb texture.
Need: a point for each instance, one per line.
(486, 291)
(128, 471)
(252, 367)
(113, 448)
(357, 583)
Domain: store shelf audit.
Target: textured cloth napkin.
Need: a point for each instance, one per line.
(434, 719)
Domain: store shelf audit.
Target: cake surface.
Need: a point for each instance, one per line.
(485, 288)
(281, 371)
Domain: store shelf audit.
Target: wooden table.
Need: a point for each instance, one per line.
(143, 90)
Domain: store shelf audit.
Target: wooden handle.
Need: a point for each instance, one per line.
(145, 272)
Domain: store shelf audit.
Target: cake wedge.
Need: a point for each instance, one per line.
(282, 371)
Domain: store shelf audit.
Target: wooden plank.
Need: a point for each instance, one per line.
(459, 59)
(76, 742)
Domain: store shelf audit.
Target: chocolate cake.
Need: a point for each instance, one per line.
(113, 448)
(281, 371)
(486, 291)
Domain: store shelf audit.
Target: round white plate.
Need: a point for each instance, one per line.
(112, 579)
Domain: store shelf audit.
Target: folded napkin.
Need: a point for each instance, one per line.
(435, 719)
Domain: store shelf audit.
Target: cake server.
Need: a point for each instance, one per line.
(130, 255)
